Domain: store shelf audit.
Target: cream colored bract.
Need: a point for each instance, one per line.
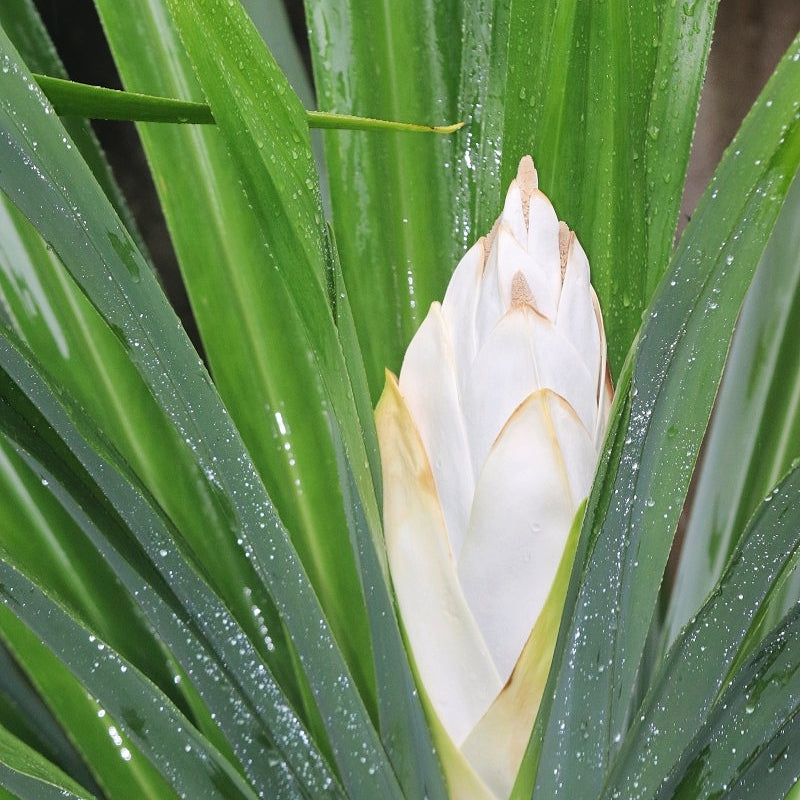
(489, 443)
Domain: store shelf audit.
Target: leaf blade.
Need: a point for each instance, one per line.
(258, 298)
(24, 772)
(686, 689)
(248, 715)
(742, 462)
(748, 743)
(123, 289)
(691, 320)
(395, 248)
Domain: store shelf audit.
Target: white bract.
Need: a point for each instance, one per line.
(489, 443)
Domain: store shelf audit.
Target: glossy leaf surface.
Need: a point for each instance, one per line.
(26, 774)
(749, 746)
(21, 21)
(208, 650)
(142, 712)
(685, 693)
(639, 494)
(756, 428)
(250, 292)
(396, 240)
(55, 319)
(121, 286)
(602, 95)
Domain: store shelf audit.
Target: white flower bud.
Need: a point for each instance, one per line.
(489, 444)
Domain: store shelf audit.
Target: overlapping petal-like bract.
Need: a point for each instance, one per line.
(489, 443)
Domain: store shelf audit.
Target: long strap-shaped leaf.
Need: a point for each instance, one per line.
(259, 304)
(111, 756)
(70, 339)
(393, 196)
(29, 718)
(190, 764)
(608, 106)
(274, 168)
(240, 96)
(741, 462)
(53, 187)
(749, 746)
(697, 668)
(682, 347)
(215, 654)
(21, 21)
(29, 776)
(404, 730)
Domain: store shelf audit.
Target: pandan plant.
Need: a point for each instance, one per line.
(277, 570)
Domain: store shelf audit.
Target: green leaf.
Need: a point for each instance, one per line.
(27, 774)
(79, 99)
(392, 195)
(39, 537)
(70, 337)
(639, 495)
(24, 714)
(24, 27)
(686, 689)
(244, 131)
(70, 98)
(115, 762)
(49, 182)
(133, 704)
(761, 386)
(604, 95)
(212, 652)
(348, 336)
(271, 19)
(749, 746)
(261, 307)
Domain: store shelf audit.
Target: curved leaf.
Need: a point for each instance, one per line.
(115, 762)
(749, 746)
(25, 715)
(99, 254)
(392, 195)
(607, 105)
(213, 653)
(681, 351)
(260, 302)
(70, 337)
(186, 761)
(26, 774)
(761, 386)
(22, 24)
(686, 690)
